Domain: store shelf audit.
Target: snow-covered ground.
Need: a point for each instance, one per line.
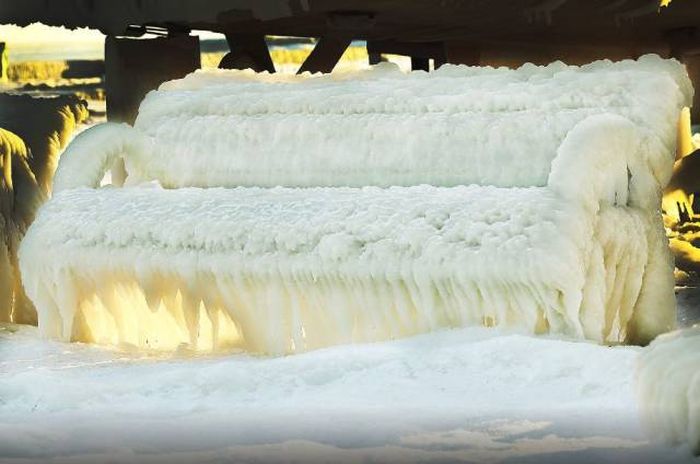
(467, 395)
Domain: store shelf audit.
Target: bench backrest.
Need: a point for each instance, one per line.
(457, 125)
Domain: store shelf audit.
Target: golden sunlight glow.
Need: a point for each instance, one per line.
(120, 314)
(685, 180)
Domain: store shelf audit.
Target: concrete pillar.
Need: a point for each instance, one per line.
(133, 67)
(4, 62)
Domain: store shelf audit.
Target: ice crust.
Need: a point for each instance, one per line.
(300, 212)
(668, 380)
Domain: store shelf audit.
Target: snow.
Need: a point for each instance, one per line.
(669, 388)
(465, 395)
(543, 214)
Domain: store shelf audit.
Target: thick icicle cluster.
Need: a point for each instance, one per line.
(300, 212)
(669, 388)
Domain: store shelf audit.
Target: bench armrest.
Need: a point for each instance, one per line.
(601, 162)
(88, 158)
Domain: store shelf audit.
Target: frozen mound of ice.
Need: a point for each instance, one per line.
(300, 212)
(669, 388)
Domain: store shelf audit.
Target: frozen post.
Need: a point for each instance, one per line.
(4, 62)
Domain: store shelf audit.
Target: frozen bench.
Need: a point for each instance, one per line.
(280, 214)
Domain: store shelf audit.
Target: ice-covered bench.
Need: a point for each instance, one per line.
(291, 213)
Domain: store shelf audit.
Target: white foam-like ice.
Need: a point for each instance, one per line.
(456, 126)
(669, 388)
(541, 213)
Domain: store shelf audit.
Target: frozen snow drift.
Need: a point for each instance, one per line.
(281, 214)
(669, 388)
(469, 395)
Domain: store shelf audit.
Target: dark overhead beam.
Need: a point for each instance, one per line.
(325, 55)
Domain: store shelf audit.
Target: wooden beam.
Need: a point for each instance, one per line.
(325, 55)
(247, 51)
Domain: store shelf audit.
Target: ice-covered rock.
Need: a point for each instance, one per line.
(300, 212)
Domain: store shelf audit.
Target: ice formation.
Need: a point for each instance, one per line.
(20, 198)
(280, 214)
(33, 132)
(669, 388)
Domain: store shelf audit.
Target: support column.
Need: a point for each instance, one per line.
(374, 58)
(247, 52)
(420, 64)
(133, 67)
(325, 55)
(4, 62)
